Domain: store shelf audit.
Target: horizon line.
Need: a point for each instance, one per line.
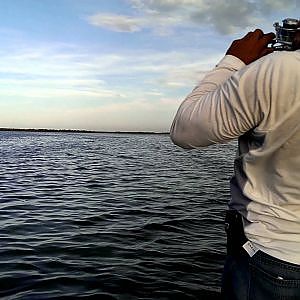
(80, 130)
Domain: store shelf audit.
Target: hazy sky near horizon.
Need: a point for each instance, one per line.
(117, 64)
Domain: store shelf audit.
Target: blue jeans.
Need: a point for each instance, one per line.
(261, 277)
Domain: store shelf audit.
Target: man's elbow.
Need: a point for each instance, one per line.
(188, 138)
(179, 140)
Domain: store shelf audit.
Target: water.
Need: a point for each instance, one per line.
(110, 216)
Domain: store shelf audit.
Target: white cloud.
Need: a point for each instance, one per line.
(162, 16)
(119, 23)
(161, 25)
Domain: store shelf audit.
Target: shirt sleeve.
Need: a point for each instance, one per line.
(222, 107)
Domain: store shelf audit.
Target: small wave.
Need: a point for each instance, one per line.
(91, 221)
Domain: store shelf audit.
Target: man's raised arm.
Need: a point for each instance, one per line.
(224, 105)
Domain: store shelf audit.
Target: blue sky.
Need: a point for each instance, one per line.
(118, 64)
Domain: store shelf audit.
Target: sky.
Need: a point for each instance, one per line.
(115, 65)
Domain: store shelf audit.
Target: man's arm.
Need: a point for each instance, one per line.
(224, 105)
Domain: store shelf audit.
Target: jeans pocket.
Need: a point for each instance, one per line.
(271, 278)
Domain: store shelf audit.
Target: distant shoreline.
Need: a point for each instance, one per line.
(79, 131)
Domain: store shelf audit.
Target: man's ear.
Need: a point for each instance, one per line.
(296, 41)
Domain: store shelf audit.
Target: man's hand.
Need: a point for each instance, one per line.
(252, 46)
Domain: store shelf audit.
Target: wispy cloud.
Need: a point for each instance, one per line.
(119, 23)
(62, 71)
(55, 71)
(161, 25)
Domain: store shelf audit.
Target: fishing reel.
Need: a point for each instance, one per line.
(285, 34)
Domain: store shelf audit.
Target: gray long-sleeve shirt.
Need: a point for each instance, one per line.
(259, 104)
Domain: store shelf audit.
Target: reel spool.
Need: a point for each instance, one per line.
(285, 34)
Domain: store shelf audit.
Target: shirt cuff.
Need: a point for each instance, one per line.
(231, 62)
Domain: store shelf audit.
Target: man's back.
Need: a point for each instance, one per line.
(256, 99)
(265, 104)
(267, 169)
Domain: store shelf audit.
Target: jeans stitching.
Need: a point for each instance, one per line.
(268, 260)
(273, 279)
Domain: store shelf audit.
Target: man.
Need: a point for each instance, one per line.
(254, 95)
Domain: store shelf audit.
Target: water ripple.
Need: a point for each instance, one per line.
(110, 216)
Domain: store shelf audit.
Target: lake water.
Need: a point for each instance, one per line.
(111, 216)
